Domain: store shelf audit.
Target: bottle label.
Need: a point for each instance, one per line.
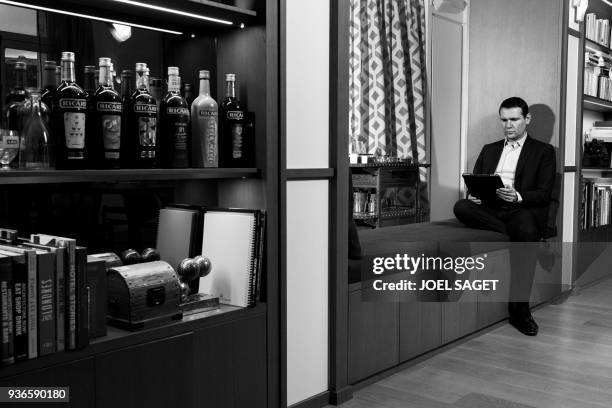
(111, 133)
(9, 142)
(76, 104)
(147, 131)
(236, 129)
(74, 130)
(235, 115)
(177, 111)
(210, 141)
(142, 108)
(208, 113)
(180, 137)
(109, 107)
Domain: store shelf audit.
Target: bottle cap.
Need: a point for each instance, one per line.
(104, 62)
(140, 67)
(230, 77)
(127, 73)
(20, 66)
(58, 69)
(68, 56)
(89, 69)
(204, 74)
(188, 86)
(173, 71)
(155, 82)
(50, 65)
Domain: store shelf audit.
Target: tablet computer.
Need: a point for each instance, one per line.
(483, 186)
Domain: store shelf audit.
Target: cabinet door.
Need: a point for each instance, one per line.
(420, 318)
(231, 364)
(156, 374)
(373, 336)
(78, 376)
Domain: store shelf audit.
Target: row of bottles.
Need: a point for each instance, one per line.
(95, 126)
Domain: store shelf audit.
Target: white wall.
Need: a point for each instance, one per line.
(448, 88)
(307, 130)
(17, 20)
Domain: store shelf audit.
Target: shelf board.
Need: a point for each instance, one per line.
(399, 165)
(596, 104)
(597, 47)
(111, 176)
(386, 214)
(597, 171)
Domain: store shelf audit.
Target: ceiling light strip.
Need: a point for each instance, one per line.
(70, 13)
(174, 11)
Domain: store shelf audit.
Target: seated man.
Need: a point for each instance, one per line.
(527, 168)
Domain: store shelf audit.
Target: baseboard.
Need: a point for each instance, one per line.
(318, 401)
(338, 397)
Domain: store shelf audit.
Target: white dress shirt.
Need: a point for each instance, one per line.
(506, 167)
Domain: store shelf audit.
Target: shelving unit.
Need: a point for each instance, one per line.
(229, 357)
(381, 178)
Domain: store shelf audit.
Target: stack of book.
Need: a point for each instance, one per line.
(597, 80)
(598, 29)
(596, 204)
(44, 296)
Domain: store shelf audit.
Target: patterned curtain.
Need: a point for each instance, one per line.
(388, 81)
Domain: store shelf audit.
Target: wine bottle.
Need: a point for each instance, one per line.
(15, 99)
(93, 144)
(174, 122)
(232, 116)
(107, 118)
(141, 137)
(49, 86)
(188, 94)
(69, 119)
(204, 126)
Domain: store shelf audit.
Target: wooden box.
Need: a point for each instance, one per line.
(143, 295)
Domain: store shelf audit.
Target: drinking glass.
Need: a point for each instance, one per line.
(9, 147)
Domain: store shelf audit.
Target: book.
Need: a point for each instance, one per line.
(178, 233)
(82, 296)
(20, 306)
(60, 289)
(29, 261)
(97, 298)
(7, 351)
(230, 241)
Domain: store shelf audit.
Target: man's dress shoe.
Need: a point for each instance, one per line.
(524, 323)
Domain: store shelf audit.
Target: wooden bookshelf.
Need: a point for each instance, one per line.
(596, 104)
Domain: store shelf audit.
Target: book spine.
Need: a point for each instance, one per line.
(32, 305)
(6, 302)
(60, 298)
(71, 299)
(46, 304)
(20, 308)
(82, 305)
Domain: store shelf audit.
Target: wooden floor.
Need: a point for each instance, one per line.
(569, 364)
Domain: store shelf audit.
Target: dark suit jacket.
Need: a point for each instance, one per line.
(534, 178)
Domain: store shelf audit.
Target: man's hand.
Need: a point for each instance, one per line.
(507, 194)
(474, 199)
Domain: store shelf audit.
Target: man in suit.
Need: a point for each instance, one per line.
(527, 168)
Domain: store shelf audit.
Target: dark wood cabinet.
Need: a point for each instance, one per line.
(236, 379)
(77, 375)
(158, 374)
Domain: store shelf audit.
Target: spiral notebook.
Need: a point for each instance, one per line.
(231, 239)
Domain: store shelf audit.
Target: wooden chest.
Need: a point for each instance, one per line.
(143, 295)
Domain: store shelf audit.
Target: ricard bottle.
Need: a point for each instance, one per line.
(93, 146)
(204, 126)
(232, 116)
(174, 125)
(69, 119)
(107, 117)
(141, 137)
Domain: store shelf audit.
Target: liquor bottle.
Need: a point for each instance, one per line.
(205, 126)
(107, 118)
(157, 90)
(93, 146)
(36, 144)
(69, 119)
(49, 86)
(174, 118)
(232, 115)
(188, 93)
(15, 99)
(58, 74)
(127, 89)
(141, 138)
